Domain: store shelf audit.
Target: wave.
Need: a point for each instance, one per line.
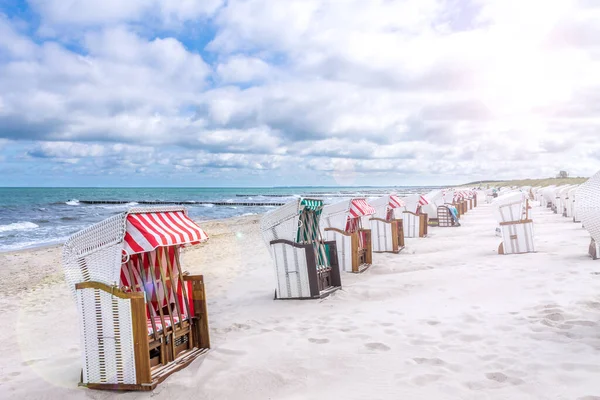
(207, 205)
(18, 226)
(73, 202)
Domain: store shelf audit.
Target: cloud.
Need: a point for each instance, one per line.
(355, 91)
(86, 13)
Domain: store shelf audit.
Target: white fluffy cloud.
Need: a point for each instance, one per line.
(393, 91)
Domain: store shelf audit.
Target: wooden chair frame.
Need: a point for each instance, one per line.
(361, 258)
(397, 231)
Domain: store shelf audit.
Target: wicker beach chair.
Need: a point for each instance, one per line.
(447, 216)
(587, 206)
(414, 220)
(434, 198)
(141, 317)
(516, 227)
(342, 222)
(306, 266)
(387, 225)
(569, 201)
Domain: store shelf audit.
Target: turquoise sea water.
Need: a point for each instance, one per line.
(31, 217)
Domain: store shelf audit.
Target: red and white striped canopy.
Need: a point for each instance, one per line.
(148, 231)
(360, 207)
(395, 202)
(423, 201)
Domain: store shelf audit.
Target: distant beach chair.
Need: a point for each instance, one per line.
(434, 198)
(414, 220)
(587, 205)
(447, 216)
(387, 225)
(306, 266)
(570, 202)
(549, 197)
(574, 207)
(141, 317)
(512, 213)
(460, 203)
(342, 222)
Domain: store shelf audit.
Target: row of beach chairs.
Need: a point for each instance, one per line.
(142, 317)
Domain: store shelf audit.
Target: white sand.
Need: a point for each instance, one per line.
(447, 318)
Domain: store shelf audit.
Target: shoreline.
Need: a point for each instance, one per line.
(200, 222)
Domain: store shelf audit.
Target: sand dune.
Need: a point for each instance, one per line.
(446, 319)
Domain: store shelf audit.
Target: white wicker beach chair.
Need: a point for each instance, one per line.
(512, 213)
(587, 206)
(306, 267)
(387, 225)
(414, 220)
(141, 318)
(342, 222)
(435, 198)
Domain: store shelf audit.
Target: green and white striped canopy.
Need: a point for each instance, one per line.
(312, 204)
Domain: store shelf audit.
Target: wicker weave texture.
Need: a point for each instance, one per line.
(510, 207)
(587, 205)
(411, 225)
(380, 205)
(335, 215)
(291, 271)
(381, 236)
(518, 238)
(344, 248)
(281, 223)
(106, 337)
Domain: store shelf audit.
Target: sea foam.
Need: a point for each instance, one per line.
(18, 226)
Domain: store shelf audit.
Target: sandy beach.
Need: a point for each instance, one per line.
(447, 318)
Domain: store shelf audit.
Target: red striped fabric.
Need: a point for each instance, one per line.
(395, 202)
(360, 207)
(423, 201)
(148, 231)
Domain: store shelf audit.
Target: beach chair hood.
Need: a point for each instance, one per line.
(98, 252)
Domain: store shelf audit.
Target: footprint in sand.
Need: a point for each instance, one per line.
(429, 361)
(318, 341)
(390, 332)
(589, 398)
(423, 380)
(582, 323)
(359, 336)
(470, 338)
(377, 346)
(502, 378)
(555, 317)
(229, 352)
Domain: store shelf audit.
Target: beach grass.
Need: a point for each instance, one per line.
(529, 182)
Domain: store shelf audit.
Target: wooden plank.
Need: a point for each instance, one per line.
(114, 290)
(140, 341)
(395, 237)
(354, 251)
(184, 291)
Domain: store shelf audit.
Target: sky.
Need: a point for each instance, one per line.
(297, 92)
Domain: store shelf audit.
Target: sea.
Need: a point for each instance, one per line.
(36, 217)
